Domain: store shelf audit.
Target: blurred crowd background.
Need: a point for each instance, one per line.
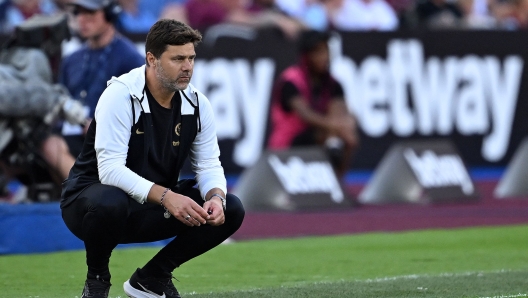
(293, 15)
(292, 18)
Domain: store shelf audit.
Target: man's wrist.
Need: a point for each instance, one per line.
(220, 197)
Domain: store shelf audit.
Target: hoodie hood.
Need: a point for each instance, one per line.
(133, 80)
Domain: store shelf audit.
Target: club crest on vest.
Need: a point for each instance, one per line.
(177, 129)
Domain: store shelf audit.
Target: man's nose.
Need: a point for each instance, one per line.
(187, 64)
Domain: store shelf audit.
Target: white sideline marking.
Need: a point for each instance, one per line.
(401, 277)
(508, 296)
(417, 276)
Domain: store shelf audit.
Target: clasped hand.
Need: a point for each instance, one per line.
(191, 213)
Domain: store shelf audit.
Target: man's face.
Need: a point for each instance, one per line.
(319, 58)
(174, 68)
(91, 23)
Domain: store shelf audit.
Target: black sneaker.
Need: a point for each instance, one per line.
(150, 287)
(96, 288)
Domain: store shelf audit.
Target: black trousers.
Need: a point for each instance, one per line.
(104, 216)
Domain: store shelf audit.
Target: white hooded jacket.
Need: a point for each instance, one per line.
(113, 116)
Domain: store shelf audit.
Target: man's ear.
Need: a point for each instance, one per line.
(150, 59)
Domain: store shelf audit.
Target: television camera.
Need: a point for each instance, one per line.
(31, 104)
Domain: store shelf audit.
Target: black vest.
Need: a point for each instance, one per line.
(84, 172)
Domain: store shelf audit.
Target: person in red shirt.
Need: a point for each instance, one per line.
(308, 106)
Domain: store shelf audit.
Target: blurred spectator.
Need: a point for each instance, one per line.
(308, 106)
(513, 15)
(312, 13)
(401, 6)
(202, 14)
(268, 13)
(174, 9)
(106, 53)
(139, 15)
(439, 13)
(157, 7)
(364, 15)
(133, 19)
(17, 11)
(476, 15)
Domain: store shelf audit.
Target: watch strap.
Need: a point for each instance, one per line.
(221, 199)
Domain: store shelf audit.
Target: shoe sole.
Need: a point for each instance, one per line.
(132, 292)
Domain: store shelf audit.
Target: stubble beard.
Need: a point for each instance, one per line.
(168, 83)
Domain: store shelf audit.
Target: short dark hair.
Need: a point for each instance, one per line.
(309, 39)
(170, 32)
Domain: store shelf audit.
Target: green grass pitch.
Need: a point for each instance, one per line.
(472, 262)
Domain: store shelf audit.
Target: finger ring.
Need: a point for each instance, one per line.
(187, 217)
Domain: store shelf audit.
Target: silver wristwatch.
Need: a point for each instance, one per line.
(221, 199)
